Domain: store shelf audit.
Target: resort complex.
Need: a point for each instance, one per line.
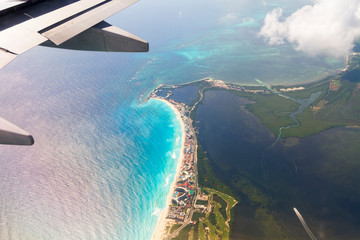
(185, 183)
(187, 203)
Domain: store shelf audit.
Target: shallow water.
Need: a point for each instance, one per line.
(186, 94)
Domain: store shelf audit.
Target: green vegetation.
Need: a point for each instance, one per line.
(184, 233)
(201, 202)
(212, 218)
(338, 105)
(217, 221)
(229, 200)
(308, 125)
(265, 219)
(223, 205)
(206, 175)
(203, 86)
(213, 224)
(272, 110)
(174, 227)
(197, 215)
(167, 228)
(269, 225)
(343, 106)
(205, 191)
(196, 230)
(333, 108)
(320, 86)
(253, 193)
(202, 231)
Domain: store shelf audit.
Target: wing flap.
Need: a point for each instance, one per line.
(56, 16)
(24, 36)
(6, 57)
(19, 39)
(5, 5)
(104, 37)
(118, 40)
(74, 26)
(65, 22)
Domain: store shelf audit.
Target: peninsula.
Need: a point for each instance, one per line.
(188, 205)
(205, 191)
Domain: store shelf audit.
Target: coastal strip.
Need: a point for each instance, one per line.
(180, 200)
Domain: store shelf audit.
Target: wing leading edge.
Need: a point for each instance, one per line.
(58, 26)
(68, 24)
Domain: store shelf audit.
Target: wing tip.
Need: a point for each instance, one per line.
(10, 134)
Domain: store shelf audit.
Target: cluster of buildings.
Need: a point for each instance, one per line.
(216, 83)
(202, 207)
(186, 183)
(291, 89)
(243, 89)
(221, 84)
(184, 192)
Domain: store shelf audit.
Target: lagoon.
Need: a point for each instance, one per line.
(317, 174)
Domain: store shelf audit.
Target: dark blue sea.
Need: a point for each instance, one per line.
(103, 160)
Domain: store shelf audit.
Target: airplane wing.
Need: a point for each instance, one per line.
(75, 24)
(68, 24)
(13, 135)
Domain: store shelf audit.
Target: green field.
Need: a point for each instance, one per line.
(333, 108)
(213, 224)
(272, 110)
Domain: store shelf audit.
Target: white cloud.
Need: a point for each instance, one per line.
(328, 27)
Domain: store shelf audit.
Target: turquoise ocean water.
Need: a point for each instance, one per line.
(103, 160)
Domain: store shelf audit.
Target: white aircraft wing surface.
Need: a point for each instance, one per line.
(53, 23)
(68, 24)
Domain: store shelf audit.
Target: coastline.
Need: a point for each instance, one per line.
(160, 232)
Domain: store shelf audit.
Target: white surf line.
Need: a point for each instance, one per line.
(306, 227)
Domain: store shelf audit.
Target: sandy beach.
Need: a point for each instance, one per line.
(162, 222)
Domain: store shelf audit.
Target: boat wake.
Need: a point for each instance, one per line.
(306, 227)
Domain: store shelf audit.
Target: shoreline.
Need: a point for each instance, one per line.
(160, 232)
(288, 85)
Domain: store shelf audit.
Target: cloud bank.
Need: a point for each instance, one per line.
(328, 27)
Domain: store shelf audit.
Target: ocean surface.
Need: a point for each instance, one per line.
(103, 160)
